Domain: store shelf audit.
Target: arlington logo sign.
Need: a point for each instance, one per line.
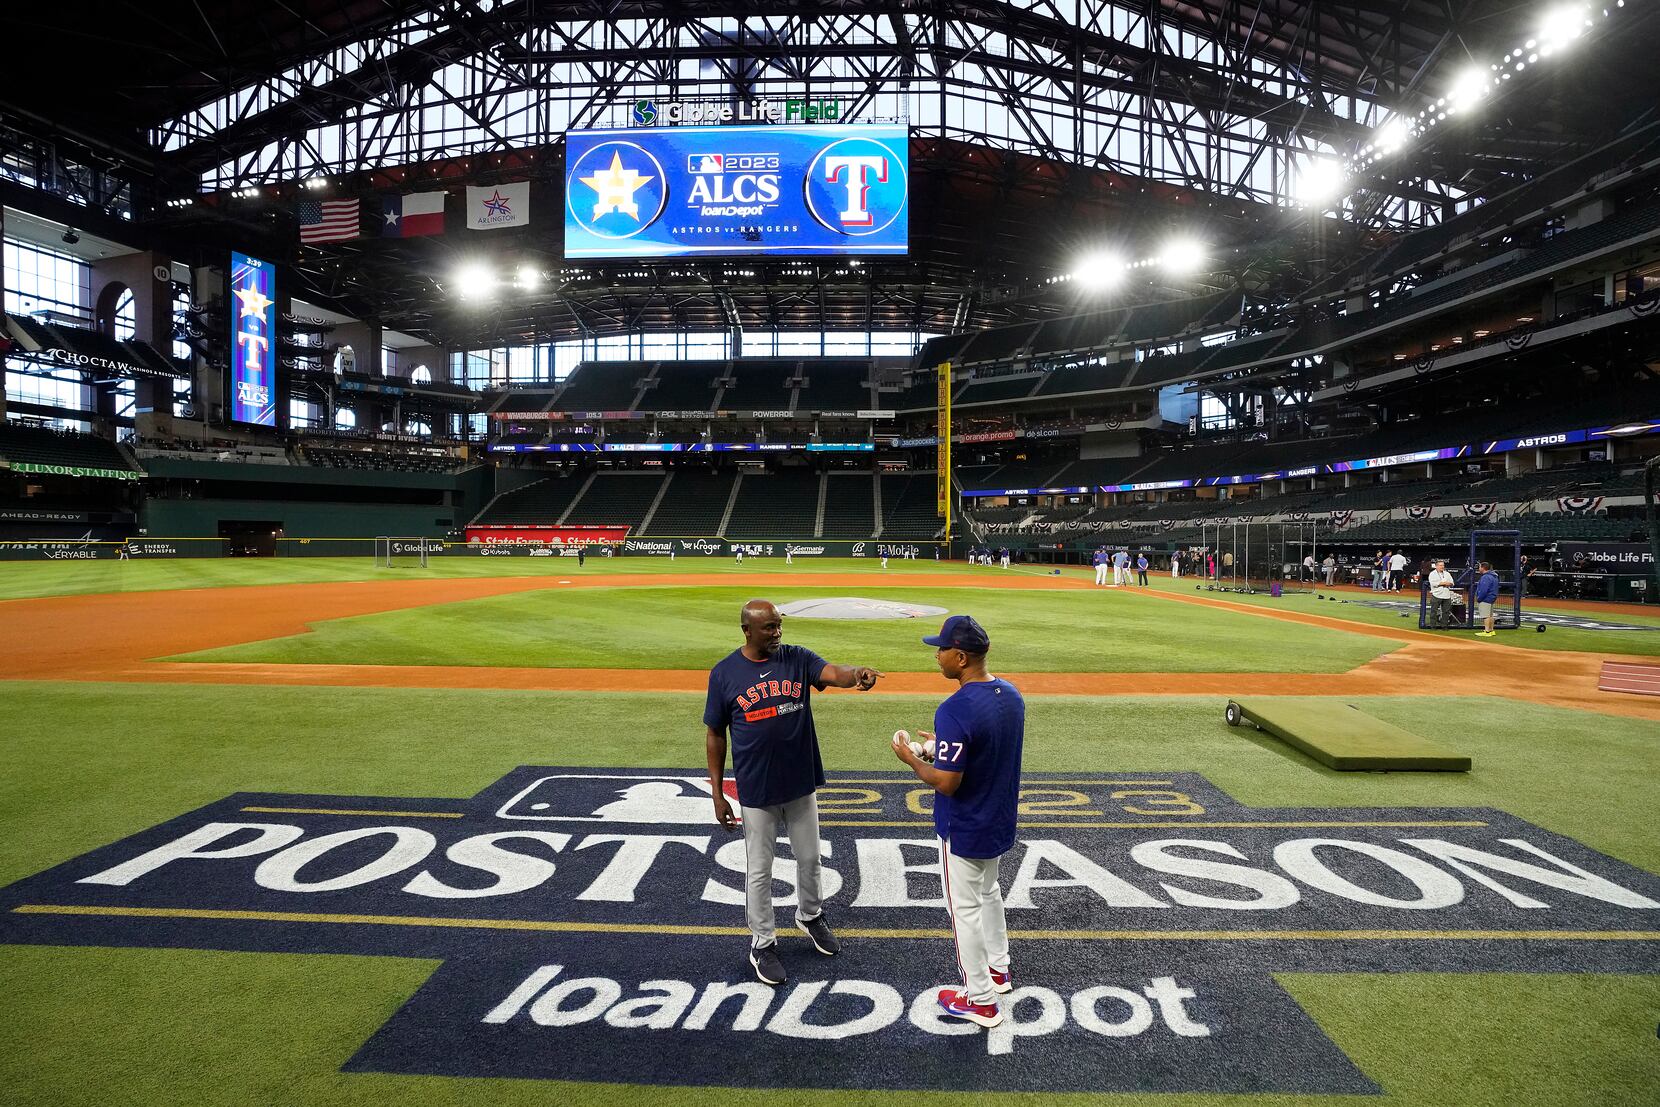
(590, 927)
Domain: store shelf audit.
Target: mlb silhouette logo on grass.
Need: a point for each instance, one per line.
(596, 798)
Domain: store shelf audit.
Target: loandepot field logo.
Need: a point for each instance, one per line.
(590, 925)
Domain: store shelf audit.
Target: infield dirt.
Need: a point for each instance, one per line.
(114, 637)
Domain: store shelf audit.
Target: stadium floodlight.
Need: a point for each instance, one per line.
(1392, 136)
(1559, 27)
(1099, 271)
(1468, 89)
(529, 278)
(1181, 256)
(474, 281)
(1320, 182)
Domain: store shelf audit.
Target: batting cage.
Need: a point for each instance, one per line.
(1500, 549)
(1252, 556)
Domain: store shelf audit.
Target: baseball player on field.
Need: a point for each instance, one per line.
(762, 694)
(975, 774)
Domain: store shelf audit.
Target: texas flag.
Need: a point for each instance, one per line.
(418, 213)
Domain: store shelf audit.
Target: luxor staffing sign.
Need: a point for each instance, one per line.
(253, 340)
(737, 191)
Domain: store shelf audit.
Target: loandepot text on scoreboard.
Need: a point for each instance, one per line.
(737, 190)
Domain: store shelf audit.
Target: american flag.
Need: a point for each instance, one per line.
(328, 220)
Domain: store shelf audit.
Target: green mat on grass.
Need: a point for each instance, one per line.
(1344, 737)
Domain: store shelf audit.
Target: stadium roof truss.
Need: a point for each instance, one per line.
(1224, 96)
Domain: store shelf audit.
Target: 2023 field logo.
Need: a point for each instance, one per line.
(590, 922)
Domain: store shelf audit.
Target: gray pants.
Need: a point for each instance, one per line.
(1441, 615)
(799, 820)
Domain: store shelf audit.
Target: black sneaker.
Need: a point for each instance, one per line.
(819, 931)
(768, 968)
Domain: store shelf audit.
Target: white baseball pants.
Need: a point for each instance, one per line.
(977, 923)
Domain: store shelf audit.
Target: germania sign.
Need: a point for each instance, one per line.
(591, 927)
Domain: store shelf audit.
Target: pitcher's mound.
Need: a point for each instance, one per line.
(852, 607)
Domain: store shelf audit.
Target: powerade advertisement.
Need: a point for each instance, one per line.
(737, 191)
(253, 340)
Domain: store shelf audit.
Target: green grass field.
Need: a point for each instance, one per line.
(87, 764)
(689, 628)
(23, 580)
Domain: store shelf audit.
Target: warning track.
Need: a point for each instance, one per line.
(115, 636)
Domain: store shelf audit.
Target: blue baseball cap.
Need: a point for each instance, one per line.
(961, 632)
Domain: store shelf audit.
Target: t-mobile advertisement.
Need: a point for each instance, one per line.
(253, 317)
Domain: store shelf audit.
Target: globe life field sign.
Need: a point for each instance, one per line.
(734, 191)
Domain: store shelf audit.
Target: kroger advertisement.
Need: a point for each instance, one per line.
(693, 191)
(253, 340)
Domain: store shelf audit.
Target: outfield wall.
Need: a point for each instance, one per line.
(196, 546)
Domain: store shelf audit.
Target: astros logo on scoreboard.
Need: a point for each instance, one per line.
(856, 187)
(616, 189)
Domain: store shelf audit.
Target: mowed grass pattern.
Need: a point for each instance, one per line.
(27, 579)
(692, 628)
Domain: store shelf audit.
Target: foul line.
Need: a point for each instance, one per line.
(341, 811)
(912, 782)
(1164, 825)
(1079, 825)
(552, 926)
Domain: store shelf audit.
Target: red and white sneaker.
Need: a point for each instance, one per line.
(959, 1006)
(1002, 982)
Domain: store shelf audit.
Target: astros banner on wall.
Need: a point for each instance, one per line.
(737, 190)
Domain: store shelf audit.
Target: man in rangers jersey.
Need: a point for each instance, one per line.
(975, 774)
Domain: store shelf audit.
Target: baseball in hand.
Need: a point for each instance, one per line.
(901, 736)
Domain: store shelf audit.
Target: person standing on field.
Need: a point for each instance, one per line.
(975, 773)
(1440, 596)
(1397, 571)
(762, 694)
(1487, 593)
(1141, 569)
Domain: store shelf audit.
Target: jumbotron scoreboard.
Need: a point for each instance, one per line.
(735, 191)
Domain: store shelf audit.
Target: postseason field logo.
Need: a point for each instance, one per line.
(590, 926)
(737, 190)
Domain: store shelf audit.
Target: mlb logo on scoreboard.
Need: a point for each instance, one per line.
(706, 163)
(615, 798)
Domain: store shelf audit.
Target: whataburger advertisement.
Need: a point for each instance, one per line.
(737, 190)
(590, 924)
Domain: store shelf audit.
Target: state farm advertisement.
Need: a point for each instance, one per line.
(536, 534)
